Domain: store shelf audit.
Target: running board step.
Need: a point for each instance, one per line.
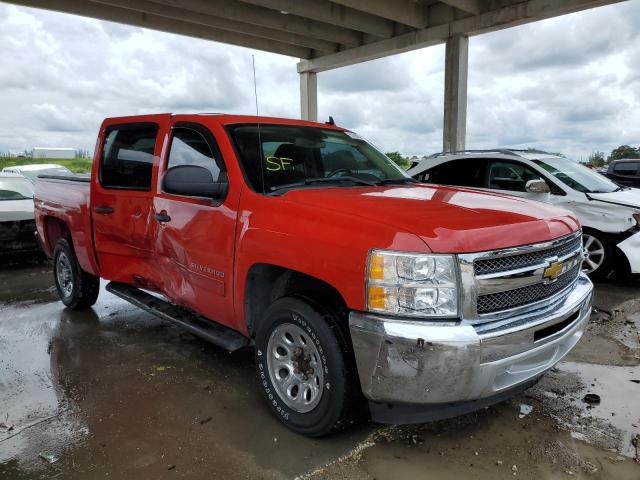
(211, 331)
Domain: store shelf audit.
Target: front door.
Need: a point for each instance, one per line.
(511, 177)
(195, 236)
(122, 198)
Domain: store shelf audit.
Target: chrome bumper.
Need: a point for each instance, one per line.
(430, 363)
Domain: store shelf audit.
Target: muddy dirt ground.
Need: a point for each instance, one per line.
(115, 393)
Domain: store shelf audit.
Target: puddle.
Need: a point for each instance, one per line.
(30, 396)
(619, 402)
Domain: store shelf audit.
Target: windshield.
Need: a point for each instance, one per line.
(577, 176)
(282, 157)
(15, 189)
(33, 174)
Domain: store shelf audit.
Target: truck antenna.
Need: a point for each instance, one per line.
(260, 152)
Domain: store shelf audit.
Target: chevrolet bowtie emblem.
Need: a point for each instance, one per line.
(553, 271)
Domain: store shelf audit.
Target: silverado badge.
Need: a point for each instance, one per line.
(553, 271)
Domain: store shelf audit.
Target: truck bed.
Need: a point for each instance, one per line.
(62, 209)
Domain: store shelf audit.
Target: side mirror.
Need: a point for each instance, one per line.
(193, 181)
(537, 186)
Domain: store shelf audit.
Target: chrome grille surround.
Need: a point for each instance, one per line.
(484, 266)
(498, 295)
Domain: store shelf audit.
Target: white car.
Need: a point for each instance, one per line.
(17, 224)
(609, 213)
(32, 171)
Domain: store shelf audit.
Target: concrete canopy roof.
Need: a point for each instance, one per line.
(324, 34)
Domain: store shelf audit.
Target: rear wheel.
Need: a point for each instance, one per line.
(598, 254)
(77, 289)
(305, 368)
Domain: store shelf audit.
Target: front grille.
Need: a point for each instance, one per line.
(513, 262)
(495, 302)
(17, 235)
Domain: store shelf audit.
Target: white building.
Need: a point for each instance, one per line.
(46, 152)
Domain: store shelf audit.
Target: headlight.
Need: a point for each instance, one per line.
(422, 285)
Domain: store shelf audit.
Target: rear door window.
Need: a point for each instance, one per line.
(466, 172)
(127, 157)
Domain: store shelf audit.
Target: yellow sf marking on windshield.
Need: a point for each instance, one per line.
(277, 164)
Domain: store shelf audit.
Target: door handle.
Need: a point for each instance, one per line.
(162, 216)
(103, 209)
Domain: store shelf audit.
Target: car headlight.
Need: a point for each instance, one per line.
(423, 285)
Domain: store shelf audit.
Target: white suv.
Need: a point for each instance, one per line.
(609, 213)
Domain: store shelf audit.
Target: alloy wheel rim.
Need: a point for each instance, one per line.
(294, 367)
(593, 253)
(64, 275)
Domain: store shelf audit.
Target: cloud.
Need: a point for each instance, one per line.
(569, 84)
(386, 75)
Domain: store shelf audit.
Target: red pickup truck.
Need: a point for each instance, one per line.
(360, 289)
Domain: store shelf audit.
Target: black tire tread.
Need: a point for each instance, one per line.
(352, 395)
(88, 285)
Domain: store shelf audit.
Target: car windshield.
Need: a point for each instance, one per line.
(15, 189)
(277, 158)
(33, 174)
(577, 176)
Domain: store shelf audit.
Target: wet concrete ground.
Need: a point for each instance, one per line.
(115, 393)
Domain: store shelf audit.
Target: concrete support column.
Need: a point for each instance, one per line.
(309, 96)
(455, 93)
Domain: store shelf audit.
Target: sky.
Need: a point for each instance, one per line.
(569, 84)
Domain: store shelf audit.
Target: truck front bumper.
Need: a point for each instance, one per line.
(414, 371)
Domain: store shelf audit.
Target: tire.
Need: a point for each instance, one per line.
(76, 288)
(599, 254)
(331, 406)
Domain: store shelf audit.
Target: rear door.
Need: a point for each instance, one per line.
(122, 198)
(195, 236)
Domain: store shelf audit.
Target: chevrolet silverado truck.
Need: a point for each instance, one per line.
(359, 289)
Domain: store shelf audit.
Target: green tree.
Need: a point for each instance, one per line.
(401, 161)
(596, 159)
(624, 151)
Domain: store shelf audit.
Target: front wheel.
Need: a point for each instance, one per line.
(76, 288)
(305, 368)
(598, 254)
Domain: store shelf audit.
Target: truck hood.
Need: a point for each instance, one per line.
(627, 198)
(13, 210)
(448, 220)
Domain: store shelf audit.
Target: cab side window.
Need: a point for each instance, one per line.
(512, 176)
(190, 147)
(127, 157)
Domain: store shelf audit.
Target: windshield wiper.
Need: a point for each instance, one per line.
(312, 181)
(397, 181)
(21, 197)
